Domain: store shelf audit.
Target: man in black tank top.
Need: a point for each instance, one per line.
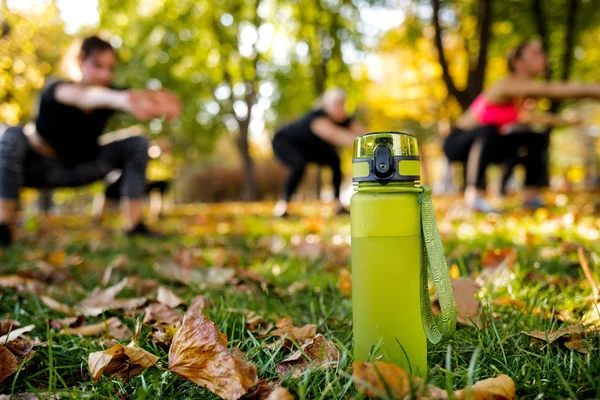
(314, 138)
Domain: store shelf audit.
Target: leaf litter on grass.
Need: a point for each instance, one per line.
(235, 273)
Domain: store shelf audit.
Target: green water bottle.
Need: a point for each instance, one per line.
(394, 242)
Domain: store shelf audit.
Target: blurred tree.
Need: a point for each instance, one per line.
(31, 43)
(241, 66)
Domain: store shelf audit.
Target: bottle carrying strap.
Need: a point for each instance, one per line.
(433, 258)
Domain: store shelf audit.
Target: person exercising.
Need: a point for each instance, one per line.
(61, 148)
(314, 138)
(482, 135)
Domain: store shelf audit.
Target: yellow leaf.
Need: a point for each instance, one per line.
(345, 282)
(56, 257)
(501, 387)
(199, 354)
(454, 271)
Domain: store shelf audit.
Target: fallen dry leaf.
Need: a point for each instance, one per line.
(112, 328)
(494, 258)
(15, 333)
(120, 361)
(573, 337)
(57, 306)
(551, 337)
(197, 306)
(296, 287)
(315, 353)
(168, 298)
(69, 322)
(8, 363)
(21, 283)
(266, 390)
(518, 304)
(6, 325)
(163, 333)
(157, 312)
(99, 297)
(22, 347)
(56, 257)
(381, 379)
(142, 286)
(280, 393)
(198, 353)
(377, 379)
(205, 276)
(286, 328)
(501, 387)
(345, 282)
(467, 306)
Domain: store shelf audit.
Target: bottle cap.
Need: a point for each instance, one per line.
(385, 157)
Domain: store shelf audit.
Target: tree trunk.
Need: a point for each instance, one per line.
(476, 74)
(250, 185)
(567, 61)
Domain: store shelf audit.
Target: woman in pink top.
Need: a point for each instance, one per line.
(481, 135)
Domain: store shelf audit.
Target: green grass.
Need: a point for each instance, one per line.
(234, 236)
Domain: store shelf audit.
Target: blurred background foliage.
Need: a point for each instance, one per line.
(245, 67)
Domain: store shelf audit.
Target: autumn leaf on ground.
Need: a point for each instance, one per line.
(120, 361)
(315, 353)
(6, 325)
(69, 322)
(265, 390)
(383, 380)
(112, 328)
(345, 282)
(15, 333)
(286, 328)
(57, 306)
(22, 283)
(467, 306)
(8, 363)
(197, 306)
(199, 354)
(167, 297)
(141, 286)
(380, 379)
(204, 276)
(494, 258)
(104, 299)
(157, 312)
(56, 257)
(518, 304)
(22, 347)
(573, 337)
(163, 333)
(501, 387)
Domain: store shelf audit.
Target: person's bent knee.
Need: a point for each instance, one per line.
(136, 145)
(13, 139)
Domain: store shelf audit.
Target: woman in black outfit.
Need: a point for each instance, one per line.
(314, 138)
(61, 149)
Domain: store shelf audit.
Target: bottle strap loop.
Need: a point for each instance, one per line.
(434, 259)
